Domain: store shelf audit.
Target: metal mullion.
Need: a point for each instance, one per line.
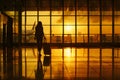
(113, 67)
(88, 15)
(50, 35)
(88, 41)
(63, 40)
(100, 39)
(75, 38)
(20, 40)
(100, 21)
(100, 63)
(25, 42)
(38, 10)
(14, 23)
(112, 39)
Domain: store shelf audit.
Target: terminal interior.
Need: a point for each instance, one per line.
(83, 35)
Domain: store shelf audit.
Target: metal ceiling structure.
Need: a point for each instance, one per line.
(46, 5)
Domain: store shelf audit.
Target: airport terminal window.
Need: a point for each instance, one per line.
(68, 17)
(60, 15)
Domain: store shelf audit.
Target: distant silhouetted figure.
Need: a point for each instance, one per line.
(39, 34)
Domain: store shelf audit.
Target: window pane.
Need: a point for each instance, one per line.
(69, 20)
(30, 20)
(57, 13)
(69, 29)
(57, 29)
(94, 20)
(106, 20)
(82, 20)
(82, 30)
(117, 20)
(117, 29)
(34, 13)
(106, 29)
(82, 34)
(107, 33)
(57, 20)
(45, 20)
(94, 30)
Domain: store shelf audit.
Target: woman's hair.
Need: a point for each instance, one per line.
(39, 23)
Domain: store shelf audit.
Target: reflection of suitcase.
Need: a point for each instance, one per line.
(47, 60)
(46, 49)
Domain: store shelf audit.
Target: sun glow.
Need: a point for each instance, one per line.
(68, 52)
(68, 29)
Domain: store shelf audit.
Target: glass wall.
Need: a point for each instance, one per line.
(73, 21)
(69, 21)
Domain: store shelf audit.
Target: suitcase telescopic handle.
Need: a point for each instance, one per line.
(45, 40)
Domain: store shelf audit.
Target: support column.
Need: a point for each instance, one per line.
(4, 49)
(9, 49)
(20, 42)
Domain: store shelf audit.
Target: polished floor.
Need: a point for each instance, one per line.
(68, 63)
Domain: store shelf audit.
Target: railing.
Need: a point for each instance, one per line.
(71, 38)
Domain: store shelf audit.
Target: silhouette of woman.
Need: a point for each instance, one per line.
(39, 34)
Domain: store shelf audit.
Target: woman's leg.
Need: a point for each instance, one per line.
(39, 45)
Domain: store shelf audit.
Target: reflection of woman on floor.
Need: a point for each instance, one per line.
(39, 34)
(39, 72)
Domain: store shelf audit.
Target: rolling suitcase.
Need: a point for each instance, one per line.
(46, 48)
